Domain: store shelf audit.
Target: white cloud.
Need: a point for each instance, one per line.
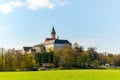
(16, 3)
(50, 4)
(5, 8)
(36, 4)
(10, 6)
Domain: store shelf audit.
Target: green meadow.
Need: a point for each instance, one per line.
(62, 75)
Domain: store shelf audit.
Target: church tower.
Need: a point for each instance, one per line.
(53, 33)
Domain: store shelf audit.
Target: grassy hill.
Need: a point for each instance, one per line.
(62, 75)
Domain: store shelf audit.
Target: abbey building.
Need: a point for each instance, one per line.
(53, 42)
(48, 44)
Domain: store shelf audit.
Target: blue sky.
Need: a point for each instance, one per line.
(93, 23)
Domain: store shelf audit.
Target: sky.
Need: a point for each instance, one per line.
(91, 23)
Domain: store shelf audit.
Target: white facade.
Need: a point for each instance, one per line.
(39, 48)
(53, 42)
(49, 47)
(54, 45)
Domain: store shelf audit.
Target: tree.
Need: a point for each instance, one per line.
(78, 48)
(83, 60)
(95, 64)
(29, 61)
(0, 62)
(44, 57)
(116, 60)
(92, 53)
(38, 58)
(65, 57)
(110, 59)
(10, 62)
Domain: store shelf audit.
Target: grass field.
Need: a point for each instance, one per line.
(63, 75)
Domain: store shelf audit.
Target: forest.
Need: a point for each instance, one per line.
(65, 58)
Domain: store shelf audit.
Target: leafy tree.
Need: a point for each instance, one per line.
(10, 62)
(95, 64)
(92, 53)
(38, 58)
(83, 60)
(78, 48)
(29, 61)
(0, 62)
(66, 57)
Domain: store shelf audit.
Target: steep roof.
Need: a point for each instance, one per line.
(27, 48)
(53, 30)
(61, 41)
(47, 39)
(57, 41)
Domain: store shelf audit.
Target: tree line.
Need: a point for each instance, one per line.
(65, 58)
